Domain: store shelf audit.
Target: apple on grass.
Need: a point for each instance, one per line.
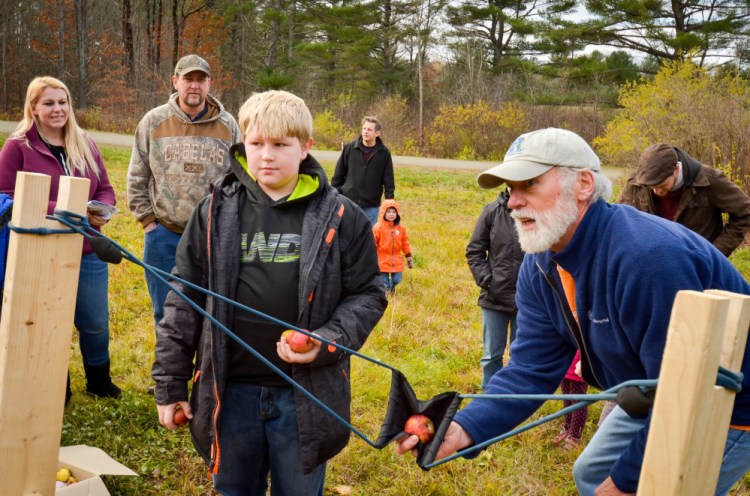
(298, 342)
(421, 426)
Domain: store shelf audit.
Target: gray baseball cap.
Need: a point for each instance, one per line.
(190, 63)
(532, 154)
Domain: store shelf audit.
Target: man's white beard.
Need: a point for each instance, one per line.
(549, 226)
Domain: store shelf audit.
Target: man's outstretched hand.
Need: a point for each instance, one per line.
(456, 439)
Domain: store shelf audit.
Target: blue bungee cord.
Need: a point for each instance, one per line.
(81, 226)
(77, 223)
(584, 400)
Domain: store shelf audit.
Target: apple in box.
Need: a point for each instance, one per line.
(421, 426)
(298, 342)
(87, 464)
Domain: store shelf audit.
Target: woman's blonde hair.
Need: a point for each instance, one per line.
(77, 143)
(275, 114)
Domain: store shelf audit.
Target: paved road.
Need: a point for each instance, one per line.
(114, 139)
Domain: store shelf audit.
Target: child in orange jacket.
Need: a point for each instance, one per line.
(391, 240)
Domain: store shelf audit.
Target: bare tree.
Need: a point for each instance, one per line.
(4, 55)
(127, 40)
(426, 14)
(181, 11)
(61, 37)
(82, 28)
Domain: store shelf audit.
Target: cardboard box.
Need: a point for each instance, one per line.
(86, 464)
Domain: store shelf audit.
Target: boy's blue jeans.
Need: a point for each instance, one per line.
(391, 279)
(495, 326)
(614, 436)
(91, 316)
(258, 435)
(160, 247)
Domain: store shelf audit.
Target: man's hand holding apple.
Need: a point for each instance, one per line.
(167, 414)
(455, 439)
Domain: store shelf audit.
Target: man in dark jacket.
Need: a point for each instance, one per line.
(494, 256)
(365, 170)
(671, 184)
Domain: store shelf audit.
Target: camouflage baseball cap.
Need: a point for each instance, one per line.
(190, 63)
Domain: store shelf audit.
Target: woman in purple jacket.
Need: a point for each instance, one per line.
(48, 141)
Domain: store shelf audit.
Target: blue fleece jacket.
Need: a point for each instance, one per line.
(628, 266)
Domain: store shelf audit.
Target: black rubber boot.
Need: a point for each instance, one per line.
(68, 391)
(98, 381)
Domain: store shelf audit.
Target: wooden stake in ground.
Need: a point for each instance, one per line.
(35, 335)
(691, 414)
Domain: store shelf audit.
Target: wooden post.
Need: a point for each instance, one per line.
(35, 335)
(691, 414)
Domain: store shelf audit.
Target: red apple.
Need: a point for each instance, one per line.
(421, 426)
(179, 417)
(298, 342)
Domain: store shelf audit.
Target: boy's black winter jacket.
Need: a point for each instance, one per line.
(340, 297)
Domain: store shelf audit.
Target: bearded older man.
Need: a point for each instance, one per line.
(621, 269)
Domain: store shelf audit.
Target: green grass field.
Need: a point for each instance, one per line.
(430, 331)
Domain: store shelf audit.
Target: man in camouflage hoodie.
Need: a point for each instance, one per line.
(180, 148)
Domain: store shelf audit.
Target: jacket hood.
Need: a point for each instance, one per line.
(502, 199)
(311, 180)
(385, 206)
(690, 166)
(215, 108)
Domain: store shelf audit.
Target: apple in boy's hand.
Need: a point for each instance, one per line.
(421, 426)
(179, 417)
(298, 342)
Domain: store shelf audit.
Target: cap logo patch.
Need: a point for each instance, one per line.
(516, 147)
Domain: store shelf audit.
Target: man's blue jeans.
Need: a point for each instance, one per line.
(258, 435)
(611, 439)
(372, 214)
(495, 325)
(91, 316)
(159, 251)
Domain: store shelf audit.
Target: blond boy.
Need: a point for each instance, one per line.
(275, 236)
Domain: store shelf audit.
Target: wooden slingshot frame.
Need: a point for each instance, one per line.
(689, 422)
(35, 333)
(691, 414)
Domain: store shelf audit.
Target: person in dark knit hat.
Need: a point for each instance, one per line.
(671, 184)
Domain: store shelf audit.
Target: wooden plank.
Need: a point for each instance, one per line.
(688, 373)
(35, 335)
(704, 466)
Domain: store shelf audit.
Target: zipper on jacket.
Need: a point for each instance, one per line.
(315, 249)
(64, 164)
(573, 327)
(215, 447)
(393, 249)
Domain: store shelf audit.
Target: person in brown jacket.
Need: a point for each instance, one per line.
(671, 184)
